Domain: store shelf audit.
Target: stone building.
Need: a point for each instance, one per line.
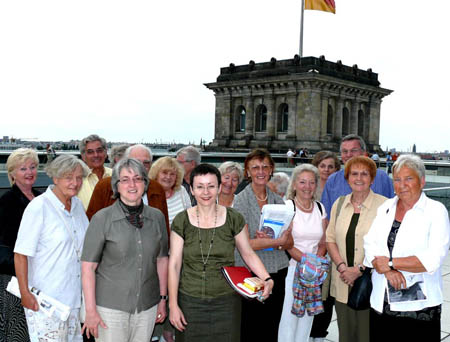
(300, 102)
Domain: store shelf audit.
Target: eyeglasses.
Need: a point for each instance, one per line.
(129, 181)
(97, 151)
(72, 178)
(264, 168)
(352, 151)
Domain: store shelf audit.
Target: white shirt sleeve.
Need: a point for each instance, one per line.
(30, 228)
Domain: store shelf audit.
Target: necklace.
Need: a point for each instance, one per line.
(262, 200)
(205, 261)
(301, 206)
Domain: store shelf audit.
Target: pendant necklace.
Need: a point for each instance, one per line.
(205, 261)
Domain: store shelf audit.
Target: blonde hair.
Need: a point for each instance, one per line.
(290, 193)
(18, 157)
(167, 163)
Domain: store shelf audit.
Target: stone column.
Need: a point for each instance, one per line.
(271, 115)
(249, 116)
(354, 117)
(338, 118)
(374, 127)
(292, 120)
(324, 116)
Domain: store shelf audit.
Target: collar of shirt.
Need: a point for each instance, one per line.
(118, 214)
(56, 201)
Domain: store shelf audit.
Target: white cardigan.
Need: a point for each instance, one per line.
(424, 233)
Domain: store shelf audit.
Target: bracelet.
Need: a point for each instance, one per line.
(164, 297)
(337, 266)
(267, 279)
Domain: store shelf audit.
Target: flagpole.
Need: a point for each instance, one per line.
(300, 52)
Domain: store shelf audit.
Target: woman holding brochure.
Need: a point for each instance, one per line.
(262, 320)
(48, 251)
(308, 231)
(203, 307)
(406, 246)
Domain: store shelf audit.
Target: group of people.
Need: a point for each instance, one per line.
(141, 246)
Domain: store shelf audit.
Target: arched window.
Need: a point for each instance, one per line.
(283, 117)
(345, 121)
(360, 123)
(330, 120)
(261, 118)
(240, 119)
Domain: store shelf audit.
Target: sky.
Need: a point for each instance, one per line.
(135, 70)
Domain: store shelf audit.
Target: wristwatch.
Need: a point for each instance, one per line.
(391, 264)
(361, 268)
(164, 297)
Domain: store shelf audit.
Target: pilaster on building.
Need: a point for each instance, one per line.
(301, 102)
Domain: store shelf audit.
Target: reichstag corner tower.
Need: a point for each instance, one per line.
(300, 102)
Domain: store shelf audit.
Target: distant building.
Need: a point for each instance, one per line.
(301, 102)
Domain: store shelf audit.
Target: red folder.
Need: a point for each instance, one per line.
(235, 276)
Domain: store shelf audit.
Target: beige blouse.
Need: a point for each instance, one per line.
(337, 232)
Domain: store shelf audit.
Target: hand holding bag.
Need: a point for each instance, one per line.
(359, 297)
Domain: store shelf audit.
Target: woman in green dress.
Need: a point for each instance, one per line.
(203, 307)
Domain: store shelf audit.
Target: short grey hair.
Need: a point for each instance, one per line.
(132, 164)
(91, 138)
(290, 194)
(230, 166)
(190, 153)
(355, 137)
(132, 147)
(412, 162)
(65, 164)
(17, 157)
(117, 151)
(281, 182)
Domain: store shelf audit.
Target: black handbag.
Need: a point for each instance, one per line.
(359, 296)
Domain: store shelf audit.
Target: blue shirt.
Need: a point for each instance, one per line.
(337, 186)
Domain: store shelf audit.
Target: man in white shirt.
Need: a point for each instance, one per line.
(93, 152)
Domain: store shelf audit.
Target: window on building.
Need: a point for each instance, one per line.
(330, 120)
(240, 119)
(261, 118)
(283, 117)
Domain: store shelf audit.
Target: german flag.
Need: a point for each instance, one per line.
(321, 5)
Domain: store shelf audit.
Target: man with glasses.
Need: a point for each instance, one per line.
(189, 158)
(352, 145)
(93, 152)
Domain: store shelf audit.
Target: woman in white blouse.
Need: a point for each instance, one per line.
(308, 231)
(48, 251)
(406, 246)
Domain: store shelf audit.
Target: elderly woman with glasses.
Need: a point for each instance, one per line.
(124, 262)
(407, 246)
(261, 320)
(48, 251)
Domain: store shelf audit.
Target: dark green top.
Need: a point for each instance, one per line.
(350, 240)
(213, 284)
